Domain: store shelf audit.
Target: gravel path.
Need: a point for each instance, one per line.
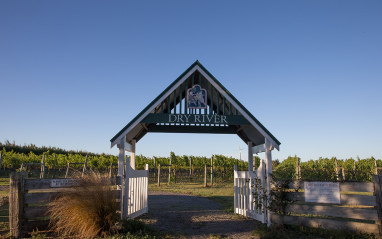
(194, 217)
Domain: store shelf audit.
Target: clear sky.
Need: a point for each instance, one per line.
(74, 73)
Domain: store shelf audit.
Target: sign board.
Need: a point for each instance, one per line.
(195, 119)
(61, 183)
(322, 192)
(196, 98)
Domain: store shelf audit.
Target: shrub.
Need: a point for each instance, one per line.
(86, 210)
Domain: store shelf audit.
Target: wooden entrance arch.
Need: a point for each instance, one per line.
(196, 102)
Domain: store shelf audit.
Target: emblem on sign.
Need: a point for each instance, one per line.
(196, 98)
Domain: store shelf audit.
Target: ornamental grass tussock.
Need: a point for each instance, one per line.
(87, 210)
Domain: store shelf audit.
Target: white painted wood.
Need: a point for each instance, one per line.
(235, 189)
(258, 149)
(128, 147)
(136, 191)
(250, 157)
(121, 156)
(268, 158)
(132, 154)
(170, 91)
(121, 162)
(126, 195)
(225, 95)
(244, 202)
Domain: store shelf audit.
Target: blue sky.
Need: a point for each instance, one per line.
(73, 73)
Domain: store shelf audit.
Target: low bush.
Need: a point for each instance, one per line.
(86, 210)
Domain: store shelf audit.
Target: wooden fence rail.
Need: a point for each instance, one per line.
(28, 199)
(357, 211)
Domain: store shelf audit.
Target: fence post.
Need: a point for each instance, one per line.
(205, 175)
(378, 197)
(1, 158)
(212, 170)
(16, 203)
(159, 175)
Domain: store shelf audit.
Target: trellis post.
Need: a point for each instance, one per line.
(376, 168)
(85, 164)
(159, 175)
(155, 167)
(205, 175)
(169, 171)
(111, 170)
(42, 173)
(67, 170)
(212, 170)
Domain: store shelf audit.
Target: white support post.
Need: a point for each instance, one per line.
(132, 158)
(250, 157)
(235, 199)
(268, 158)
(126, 190)
(121, 157)
(258, 149)
(121, 160)
(147, 167)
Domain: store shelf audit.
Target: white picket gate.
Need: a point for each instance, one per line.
(250, 195)
(136, 192)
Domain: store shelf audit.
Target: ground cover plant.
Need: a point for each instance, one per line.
(87, 210)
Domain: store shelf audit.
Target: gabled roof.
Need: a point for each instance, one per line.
(172, 102)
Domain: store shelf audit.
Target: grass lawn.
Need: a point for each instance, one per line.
(221, 193)
(4, 181)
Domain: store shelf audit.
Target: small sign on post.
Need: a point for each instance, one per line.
(322, 192)
(60, 183)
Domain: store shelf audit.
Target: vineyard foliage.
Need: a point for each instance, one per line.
(325, 169)
(13, 156)
(322, 169)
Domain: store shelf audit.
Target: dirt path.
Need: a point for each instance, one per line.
(194, 217)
